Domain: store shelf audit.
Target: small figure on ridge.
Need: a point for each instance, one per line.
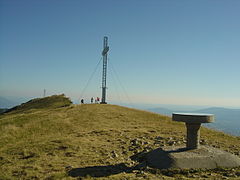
(98, 99)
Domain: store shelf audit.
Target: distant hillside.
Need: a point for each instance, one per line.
(227, 120)
(6, 103)
(161, 110)
(11, 101)
(235, 113)
(39, 140)
(40, 103)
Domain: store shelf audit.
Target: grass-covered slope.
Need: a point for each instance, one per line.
(54, 101)
(2, 110)
(94, 141)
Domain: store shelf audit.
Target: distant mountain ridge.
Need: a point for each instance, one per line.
(226, 119)
(11, 101)
(164, 111)
(6, 103)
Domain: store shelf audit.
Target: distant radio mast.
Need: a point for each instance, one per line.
(104, 74)
(44, 93)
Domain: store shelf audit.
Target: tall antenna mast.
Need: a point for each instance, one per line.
(104, 74)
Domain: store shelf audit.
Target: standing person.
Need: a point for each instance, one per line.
(91, 100)
(82, 101)
(98, 99)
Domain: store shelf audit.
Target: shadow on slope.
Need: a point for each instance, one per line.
(99, 171)
(105, 171)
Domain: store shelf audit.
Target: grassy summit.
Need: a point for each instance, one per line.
(54, 101)
(50, 138)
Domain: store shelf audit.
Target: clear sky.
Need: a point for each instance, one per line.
(164, 51)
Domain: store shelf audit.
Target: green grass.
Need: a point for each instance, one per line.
(49, 139)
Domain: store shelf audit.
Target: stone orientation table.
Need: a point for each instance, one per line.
(192, 155)
(193, 123)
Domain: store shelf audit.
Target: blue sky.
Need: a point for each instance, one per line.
(164, 51)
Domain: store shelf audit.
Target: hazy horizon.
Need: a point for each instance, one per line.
(146, 106)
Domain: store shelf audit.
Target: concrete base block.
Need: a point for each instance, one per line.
(178, 157)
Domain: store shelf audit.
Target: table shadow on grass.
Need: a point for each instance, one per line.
(99, 171)
(141, 158)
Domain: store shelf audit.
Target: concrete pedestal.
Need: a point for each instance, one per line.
(179, 157)
(193, 135)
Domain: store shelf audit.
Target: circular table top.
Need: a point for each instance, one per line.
(193, 117)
